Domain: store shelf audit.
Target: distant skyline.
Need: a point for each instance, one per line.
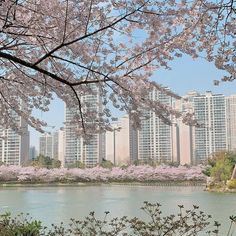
(186, 75)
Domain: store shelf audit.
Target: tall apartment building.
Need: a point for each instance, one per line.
(210, 110)
(61, 146)
(46, 145)
(183, 134)
(52, 145)
(196, 144)
(118, 142)
(76, 149)
(231, 122)
(217, 114)
(14, 148)
(154, 140)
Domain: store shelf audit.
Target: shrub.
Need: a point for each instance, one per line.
(222, 171)
(19, 226)
(231, 184)
(221, 166)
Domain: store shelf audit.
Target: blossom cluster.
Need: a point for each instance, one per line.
(64, 48)
(131, 173)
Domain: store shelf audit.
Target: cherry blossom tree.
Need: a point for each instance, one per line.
(68, 47)
(144, 174)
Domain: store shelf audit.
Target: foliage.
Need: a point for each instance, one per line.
(61, 47)
(99, 174)
(231, 184)
(207, 171)
(187, 223)
(221, 166)
(45, 162)
(222, 171)
(19, 226)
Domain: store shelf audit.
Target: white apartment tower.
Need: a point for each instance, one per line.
(52, 145)
(46, 145)
(154, 140)
(210, 111)
(61, 146)
(231, 122)
(76, 149)
(14, 148)
(217, 115)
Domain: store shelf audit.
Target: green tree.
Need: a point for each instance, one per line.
(221, 166)
(221, 171)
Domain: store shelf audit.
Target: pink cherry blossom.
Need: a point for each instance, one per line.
(61, 47)
(131, 173)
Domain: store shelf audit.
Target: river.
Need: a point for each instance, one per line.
(56, 204)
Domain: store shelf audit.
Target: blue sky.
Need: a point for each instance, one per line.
(186, 74)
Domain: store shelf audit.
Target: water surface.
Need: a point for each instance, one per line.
(56, 204)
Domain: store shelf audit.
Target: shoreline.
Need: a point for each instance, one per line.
(203, 184)
(84, 184)
(220, 190)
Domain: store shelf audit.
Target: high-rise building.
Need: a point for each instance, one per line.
(217, 116)
(46, 145)
(183, 133)
(76, 149)
(52, 145)
(14, 148)
(118, 142)
(231, 122)
(153, 142)
(210, 112)
(61, 146)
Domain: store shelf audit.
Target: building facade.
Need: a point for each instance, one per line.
(210, 112)
(183, 133)
(76, 148)
(52, 145)
(231, 122)
(153, 142)
(14, 148)
(118, 142)
(196, 144)
(61, 146)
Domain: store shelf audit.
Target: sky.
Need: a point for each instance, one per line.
(186, 75)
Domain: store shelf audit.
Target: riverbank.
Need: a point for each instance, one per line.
(81, 184)
(220, 188)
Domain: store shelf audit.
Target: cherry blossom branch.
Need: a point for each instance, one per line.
(88, 35)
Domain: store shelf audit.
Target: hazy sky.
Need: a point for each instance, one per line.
(186, 74)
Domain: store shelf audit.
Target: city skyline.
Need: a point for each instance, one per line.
(159, 142)
(186, 75)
